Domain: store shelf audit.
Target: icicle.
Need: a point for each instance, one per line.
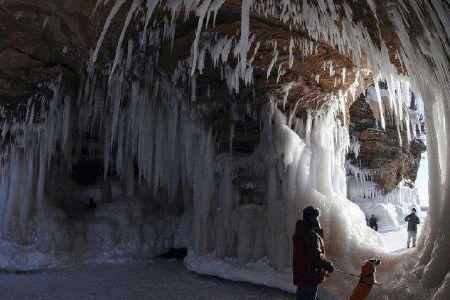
(200, 13)
(96, 7)
(286, 88)
(380, 101)
(151, 5)
(291, 55)
(214, 8)
(111, 16)
(280, 72)
(274, 59)
(356, 146)
(308, 127)
(193, 88)
(231, 138)
(331, 70)
(118, 55)
(245, 29)
(250, 62)
(44, 24)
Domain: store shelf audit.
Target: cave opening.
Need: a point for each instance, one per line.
(387, 170)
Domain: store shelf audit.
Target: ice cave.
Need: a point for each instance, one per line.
(132, 129)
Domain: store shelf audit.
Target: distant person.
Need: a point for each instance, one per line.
(413, 221)
(309, 264)
(373, 223)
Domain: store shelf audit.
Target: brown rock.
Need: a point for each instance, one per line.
(380, 150)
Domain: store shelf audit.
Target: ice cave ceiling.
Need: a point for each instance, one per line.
(44, 39)
(218, 118)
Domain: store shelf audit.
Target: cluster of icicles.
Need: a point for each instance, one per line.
(426, 63)
(352, 41)
(361, 188)
(28, 148)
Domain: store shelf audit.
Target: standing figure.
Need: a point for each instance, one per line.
(412, 220)
(373, 223)
(310, 266)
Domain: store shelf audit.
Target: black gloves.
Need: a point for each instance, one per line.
(329, 267)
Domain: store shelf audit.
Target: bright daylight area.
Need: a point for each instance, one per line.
(396, 240)
(225, 149)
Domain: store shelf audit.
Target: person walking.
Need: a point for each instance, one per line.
(373, 223)
(310, 267)
(413, 221)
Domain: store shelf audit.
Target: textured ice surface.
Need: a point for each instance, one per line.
(17, 257)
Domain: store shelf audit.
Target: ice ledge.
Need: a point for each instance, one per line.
(256, 272)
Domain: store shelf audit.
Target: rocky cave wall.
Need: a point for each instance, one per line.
(380, 151)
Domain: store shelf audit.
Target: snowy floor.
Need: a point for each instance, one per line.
(395, 241)
(155, 279)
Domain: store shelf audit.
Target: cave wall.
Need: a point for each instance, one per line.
(380, 151)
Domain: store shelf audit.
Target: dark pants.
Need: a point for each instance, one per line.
(306, 292)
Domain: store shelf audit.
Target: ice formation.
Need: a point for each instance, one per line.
(166, 185)
(391, 208)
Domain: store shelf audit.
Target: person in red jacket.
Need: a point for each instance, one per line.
(309, 264)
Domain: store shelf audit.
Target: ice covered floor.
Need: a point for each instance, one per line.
(154, 279)
(395, 241)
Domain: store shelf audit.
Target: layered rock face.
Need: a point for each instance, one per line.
(144, 125)
(40, 41)
(380, 150)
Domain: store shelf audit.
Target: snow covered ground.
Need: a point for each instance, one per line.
(154, 279)
(395, 241)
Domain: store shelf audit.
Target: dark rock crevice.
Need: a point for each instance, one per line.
(47, 64)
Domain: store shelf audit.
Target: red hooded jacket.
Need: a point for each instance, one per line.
(308, 256)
